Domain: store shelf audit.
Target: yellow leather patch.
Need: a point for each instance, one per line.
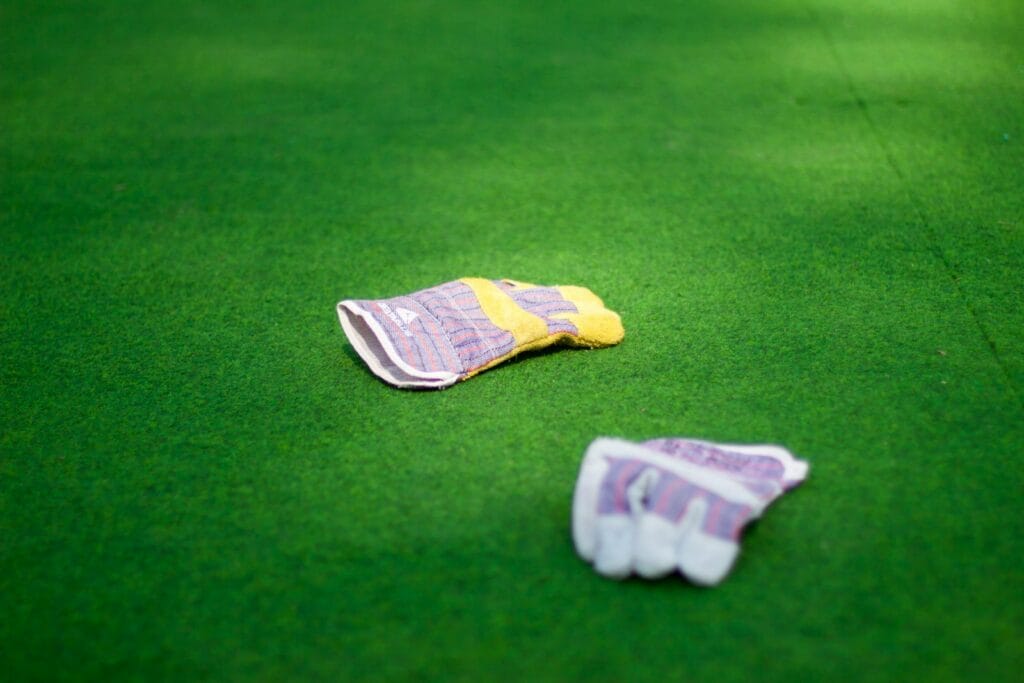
(504, 312)
(597, 325)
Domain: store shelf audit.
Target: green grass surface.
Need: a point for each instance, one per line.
(809, 216)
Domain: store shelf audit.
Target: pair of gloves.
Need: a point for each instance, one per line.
(650, 508)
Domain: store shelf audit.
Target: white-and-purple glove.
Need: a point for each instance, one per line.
(674, 504)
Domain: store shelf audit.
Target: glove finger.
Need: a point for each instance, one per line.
(655, 546)
(596, 325)
(613, 556)
(703, 558)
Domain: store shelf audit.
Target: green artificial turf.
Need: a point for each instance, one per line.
(809, 215)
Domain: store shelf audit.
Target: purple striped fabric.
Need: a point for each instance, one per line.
(543, 302)
(475, 338)
(670, 497)
(440, 328)
(706, 455)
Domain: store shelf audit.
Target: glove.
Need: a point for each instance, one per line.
(444, 334)
(680, 505)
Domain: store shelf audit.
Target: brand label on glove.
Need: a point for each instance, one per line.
(402, 322)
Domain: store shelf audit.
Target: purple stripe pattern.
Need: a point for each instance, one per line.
(670, 497)
(542, 302)
(441, 328)
(740, 465)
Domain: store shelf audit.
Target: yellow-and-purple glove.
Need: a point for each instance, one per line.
(438, 336)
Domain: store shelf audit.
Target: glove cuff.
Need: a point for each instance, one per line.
(367, 335)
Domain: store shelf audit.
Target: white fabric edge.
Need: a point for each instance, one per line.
(584, 504)
(720, 484)
(414, 378)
